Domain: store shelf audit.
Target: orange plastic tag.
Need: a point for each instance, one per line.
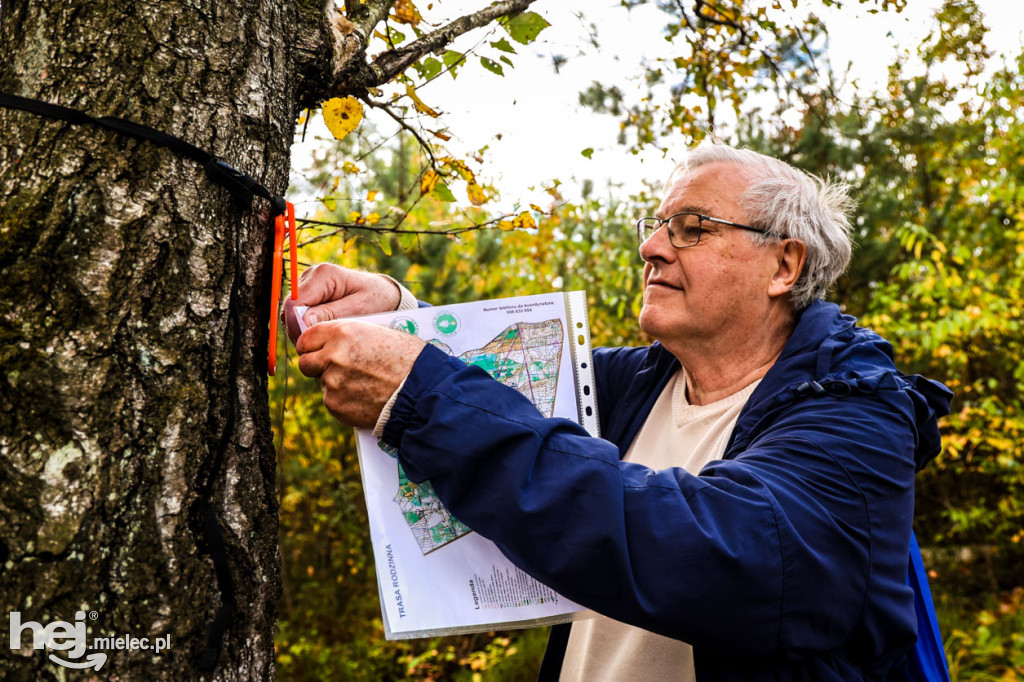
(280, 223)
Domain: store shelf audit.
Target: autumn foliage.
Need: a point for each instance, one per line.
(936, 167)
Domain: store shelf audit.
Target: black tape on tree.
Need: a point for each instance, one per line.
(242, 187)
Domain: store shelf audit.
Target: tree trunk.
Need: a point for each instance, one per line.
(133, 300)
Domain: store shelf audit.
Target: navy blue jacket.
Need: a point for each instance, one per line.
(786, 560)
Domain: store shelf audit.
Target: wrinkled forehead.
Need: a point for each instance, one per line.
(714, 189)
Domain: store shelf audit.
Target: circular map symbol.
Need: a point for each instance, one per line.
(446, 324)
(405, 324)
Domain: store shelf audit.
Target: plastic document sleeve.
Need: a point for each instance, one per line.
(434, 574)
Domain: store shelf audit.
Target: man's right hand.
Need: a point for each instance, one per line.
(332, 292)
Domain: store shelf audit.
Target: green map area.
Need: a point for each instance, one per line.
(525, 356)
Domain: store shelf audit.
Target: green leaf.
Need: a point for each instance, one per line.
(453, 61)
(385, 245)
(428, 68)
(442, 192)
(504, 46)
(524, 28)
(507, 61)
(588, 152)
(408, 241)
(492, 66)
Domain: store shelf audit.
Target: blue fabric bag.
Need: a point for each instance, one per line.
(927, 661)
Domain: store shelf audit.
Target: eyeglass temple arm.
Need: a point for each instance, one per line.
(732, 224)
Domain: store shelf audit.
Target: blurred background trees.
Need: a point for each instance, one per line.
(935, 164)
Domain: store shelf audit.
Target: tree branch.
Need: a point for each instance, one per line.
(350, 34)
(345, 228)
(365, 17)
(727, 21)
(405, 126)
(389, 64)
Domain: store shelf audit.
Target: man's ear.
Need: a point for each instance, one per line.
(792, 255)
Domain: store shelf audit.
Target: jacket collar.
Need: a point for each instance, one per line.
(828, 355)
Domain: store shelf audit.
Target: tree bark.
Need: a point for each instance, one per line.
(133, 337)
(137, 470)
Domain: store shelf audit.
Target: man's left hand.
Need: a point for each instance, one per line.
(359, 366)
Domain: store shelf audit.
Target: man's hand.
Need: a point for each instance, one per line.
(334, 292)
(359, 365)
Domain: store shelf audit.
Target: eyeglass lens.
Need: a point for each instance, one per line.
(683, 229)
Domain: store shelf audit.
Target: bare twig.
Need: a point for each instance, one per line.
(807, 51)
(377, 146)
(683, 14)
(732, 23)
(342, 228)
(394, 229)
(405, 126)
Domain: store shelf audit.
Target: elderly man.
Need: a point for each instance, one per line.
(747, 514)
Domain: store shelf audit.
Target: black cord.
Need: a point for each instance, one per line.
(243, 187)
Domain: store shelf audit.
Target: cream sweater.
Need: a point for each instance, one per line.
(675, 434)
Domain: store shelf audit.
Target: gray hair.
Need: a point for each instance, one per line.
(788, 202)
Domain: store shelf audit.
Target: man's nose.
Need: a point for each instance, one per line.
(658, 247)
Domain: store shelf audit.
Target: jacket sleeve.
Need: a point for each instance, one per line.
(770, 551)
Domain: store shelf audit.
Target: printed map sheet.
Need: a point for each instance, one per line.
(435, 575)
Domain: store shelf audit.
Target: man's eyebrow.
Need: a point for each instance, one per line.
(682, 209)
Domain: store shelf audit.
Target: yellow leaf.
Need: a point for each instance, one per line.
(337, 181)
(329, 202)
(418, 103)
(371, 195)
(476, 194)
(439, 134)
(373, 218)
(354, 217)
(506, 225)
(524, 219)
(342, 115)
(536, 208)
(405, 12)
(460, 167)
(351, 168)
(457, 165)
(349, 245)
(429, 181)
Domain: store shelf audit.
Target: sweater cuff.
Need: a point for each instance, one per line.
(407, 300)
(385, 414)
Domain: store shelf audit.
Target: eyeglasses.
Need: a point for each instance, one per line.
(684, 229)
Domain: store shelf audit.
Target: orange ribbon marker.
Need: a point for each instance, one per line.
(276, 276)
